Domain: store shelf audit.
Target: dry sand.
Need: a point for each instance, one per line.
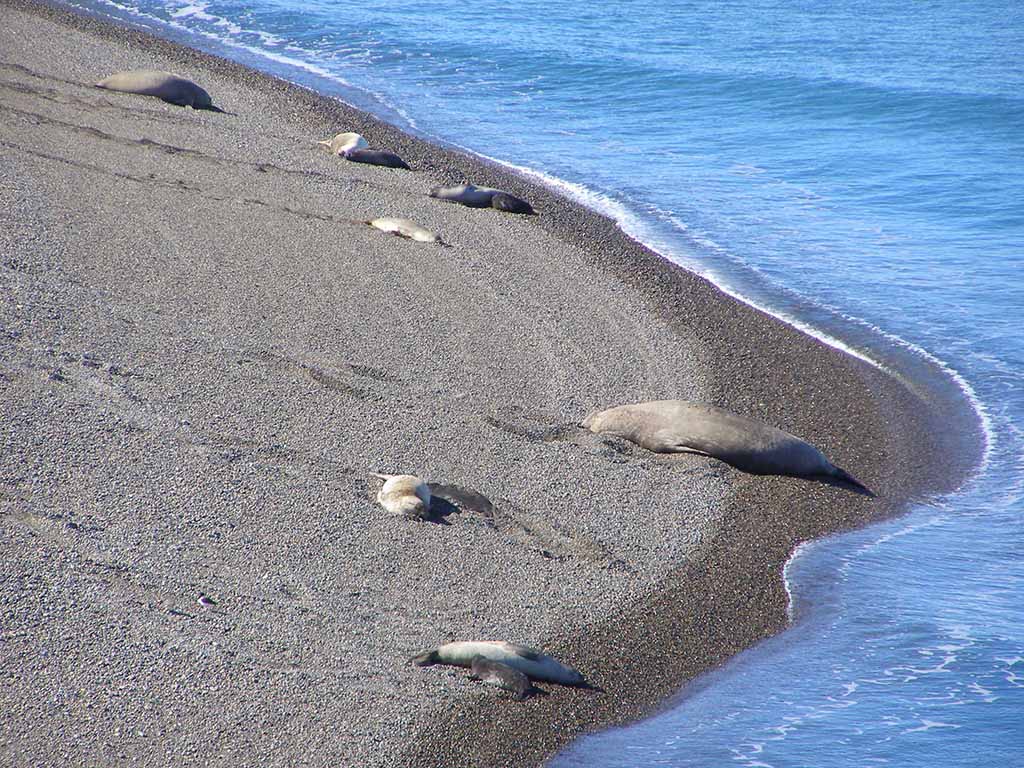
(205, 354)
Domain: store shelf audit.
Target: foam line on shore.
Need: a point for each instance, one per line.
(662, 613)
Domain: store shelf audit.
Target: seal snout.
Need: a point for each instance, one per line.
(424, 659)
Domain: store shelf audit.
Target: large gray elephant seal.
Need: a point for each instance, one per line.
(532, 663)
(482, 197)
(375, 157)
(163, 85)
(406, 228)
(678, 426)
(501, 675)
(405, 495)
(465, 194)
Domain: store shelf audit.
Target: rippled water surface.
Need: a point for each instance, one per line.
(855, 167)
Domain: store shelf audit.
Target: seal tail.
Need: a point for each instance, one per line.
(846, 477)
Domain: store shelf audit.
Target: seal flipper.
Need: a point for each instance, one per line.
(846, 477)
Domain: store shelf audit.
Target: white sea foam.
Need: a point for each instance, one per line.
(787, 581)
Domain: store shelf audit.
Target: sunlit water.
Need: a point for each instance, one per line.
(855, 167)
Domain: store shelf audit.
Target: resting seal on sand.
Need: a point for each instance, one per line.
(501, 675)
(343, 142)
(375, 157)
(482, 197)
(405, 495)
(163, 85)
(406, 228)
(531, 663)
(466, 194)
(678, 426)
(503, 201)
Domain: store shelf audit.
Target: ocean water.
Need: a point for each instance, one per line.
(856, 168)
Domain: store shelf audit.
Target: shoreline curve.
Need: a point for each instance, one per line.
(727, 593)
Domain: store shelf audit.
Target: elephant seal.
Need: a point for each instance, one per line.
(343, 142)
(405, 495)
(163, 85)
(678, 426)
(375, 157)
(531, 663)
(465, 194)
(406, 228)
(503, 201)
(482, 197)
(502, 675)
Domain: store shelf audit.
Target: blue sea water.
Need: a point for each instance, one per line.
(855, 167)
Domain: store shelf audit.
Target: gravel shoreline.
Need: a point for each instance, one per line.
(205, 354)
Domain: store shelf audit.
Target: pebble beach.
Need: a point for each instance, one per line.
(206, 354)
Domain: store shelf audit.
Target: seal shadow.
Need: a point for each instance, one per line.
(854, 486)
(440, 509)
(448, 498)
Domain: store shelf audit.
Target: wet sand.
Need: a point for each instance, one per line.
(205, 354)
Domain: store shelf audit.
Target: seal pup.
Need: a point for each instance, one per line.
(163, 85)
(343, 142)
(406, 228)
(501, 675)
(375, 157)
(532, 663)
(678, 426)
(405, 495)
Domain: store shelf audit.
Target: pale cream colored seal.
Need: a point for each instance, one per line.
(343, 142)
(406, 228)
(532, 663)
(163, 85)
(405, 495)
